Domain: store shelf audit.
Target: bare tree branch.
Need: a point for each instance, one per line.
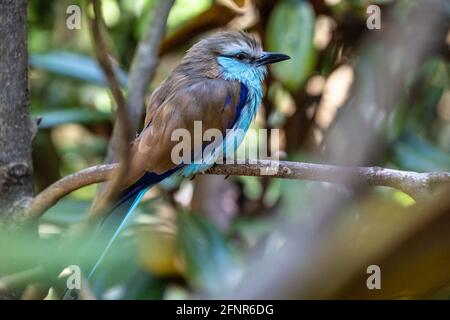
(122, 126)
(415, 184)
(145, 60)
(66, 185)
(142, 70)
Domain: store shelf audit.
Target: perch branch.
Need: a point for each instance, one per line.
(415, 184)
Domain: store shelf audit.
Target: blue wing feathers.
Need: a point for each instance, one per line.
(122, 211)
(149, 179)
(126, 210)
(194, 168)
(242, 100)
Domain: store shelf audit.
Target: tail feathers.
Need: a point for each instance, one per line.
(123, 210)
(120, 214)
(107, 232)
(115, 223)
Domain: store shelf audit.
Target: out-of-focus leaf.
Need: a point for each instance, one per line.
(66, 211)
(402, 198)
(252, 187)
(184, 10)
(414, 153)
(411, 248)
(253, 229)
(157, 250)
(176, 292)
(55, 118)
(75, 66)
(181, 12)
(117, 267)
(210, 262)
(142, 286)
(291, 31)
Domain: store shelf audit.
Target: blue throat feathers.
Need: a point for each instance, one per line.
(251, 79)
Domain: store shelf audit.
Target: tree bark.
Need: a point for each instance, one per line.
(16, 127)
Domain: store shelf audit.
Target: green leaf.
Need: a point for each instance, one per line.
(55, 118)
(142, 286)
(185, 10)
(66, 212)
(291, 31)
(74, 65)
(211, 263)
(414, 153)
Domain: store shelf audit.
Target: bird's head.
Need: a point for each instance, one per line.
(231, 55)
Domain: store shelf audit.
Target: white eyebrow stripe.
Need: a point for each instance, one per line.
(239, 46)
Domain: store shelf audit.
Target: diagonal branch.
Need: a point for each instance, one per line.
(145, 60)
(142, 70)
(122, 123)
(417, 185)
(128, 117)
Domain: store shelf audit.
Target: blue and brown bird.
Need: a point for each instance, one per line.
(218, 82)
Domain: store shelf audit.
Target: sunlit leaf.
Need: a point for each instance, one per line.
(291, 31)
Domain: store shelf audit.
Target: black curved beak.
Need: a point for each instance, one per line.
(271, 57)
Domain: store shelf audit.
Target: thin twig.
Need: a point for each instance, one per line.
(143, 68)
(145, 60)
(415, 184)
(122, 123)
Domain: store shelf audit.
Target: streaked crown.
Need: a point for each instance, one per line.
(231, 55)
(202, 57)
(228, 43)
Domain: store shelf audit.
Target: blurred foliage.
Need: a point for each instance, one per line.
(75, 66)
(171, 251)
(295, 41)
(201, 241)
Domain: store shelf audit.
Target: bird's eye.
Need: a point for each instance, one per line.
(241, 56)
